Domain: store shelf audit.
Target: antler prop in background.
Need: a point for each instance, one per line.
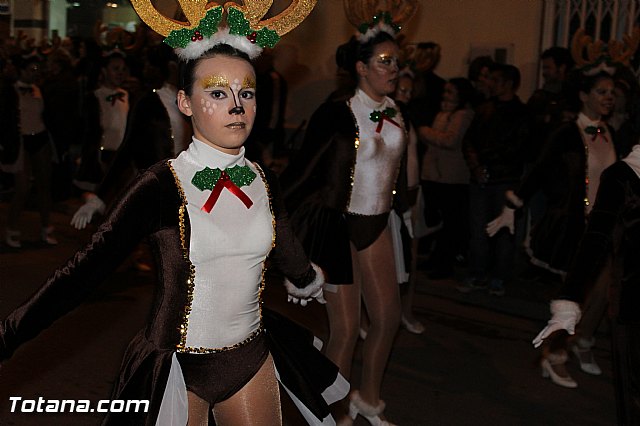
(593, 56)
(366, 15)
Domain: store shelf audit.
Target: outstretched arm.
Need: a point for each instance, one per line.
(132, 217)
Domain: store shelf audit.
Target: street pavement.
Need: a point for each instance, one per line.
(474, 365)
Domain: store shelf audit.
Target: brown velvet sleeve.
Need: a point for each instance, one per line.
(136, 214)
(288, 255)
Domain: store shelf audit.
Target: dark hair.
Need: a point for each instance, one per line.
(465, 91)
(159, 58)
(60, 58)
(23, 61)
(509, 73)
(588, 82)
(579, 82)
(475, 67)
(353, 51)
(187, 69)
(560, 56)
(110, 56)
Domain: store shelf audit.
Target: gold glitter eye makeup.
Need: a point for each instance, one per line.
(215, 81)
(387, 60)
(249, 83)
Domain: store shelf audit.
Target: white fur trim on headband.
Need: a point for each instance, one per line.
(311, 289)
(195, 49)
(602, 66)
(375, 30)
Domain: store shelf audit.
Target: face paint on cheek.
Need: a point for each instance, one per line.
(235, 91)
(249, 82)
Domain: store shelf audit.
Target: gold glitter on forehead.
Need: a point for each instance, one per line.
(215, 81)
(249, 83)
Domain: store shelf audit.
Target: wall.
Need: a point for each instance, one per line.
(29, 18)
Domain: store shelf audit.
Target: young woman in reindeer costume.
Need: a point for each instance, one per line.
(341, 190)
(212, 217)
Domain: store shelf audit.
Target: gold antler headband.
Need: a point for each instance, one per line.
(600, 56)
(372, 16)
(245, 28)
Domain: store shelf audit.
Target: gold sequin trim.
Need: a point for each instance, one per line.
(586, 177)
(273, 236)
(181, 346)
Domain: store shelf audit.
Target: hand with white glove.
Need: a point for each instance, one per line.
(565, 314)
(93, 204)
(312, 291)
(318, 295)
(505, 220)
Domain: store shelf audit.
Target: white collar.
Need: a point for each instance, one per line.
(583, 122)
(214, 158)
(369, 102)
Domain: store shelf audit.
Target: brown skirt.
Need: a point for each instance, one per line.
(217, 376)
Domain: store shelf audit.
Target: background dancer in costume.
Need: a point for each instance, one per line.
(341, 189)
(105, 112)
(156, 131)
(26, 136)
(206, 341)
(609, 246)
(568, 173)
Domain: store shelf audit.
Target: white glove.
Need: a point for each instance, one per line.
(506, 219)
(85, 213)
(565, 314)
(311, 291)
(318, 295)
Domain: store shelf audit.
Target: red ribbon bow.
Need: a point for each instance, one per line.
(224, 181)
(381, 122)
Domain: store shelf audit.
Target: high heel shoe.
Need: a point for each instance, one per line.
(582, 350)
(12, 238)
(46, 235)
(369, 412)
(414, 327)
(548, 362)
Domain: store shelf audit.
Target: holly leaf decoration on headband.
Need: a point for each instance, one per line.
(239, 25)
(380, 17)
(206, 28)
